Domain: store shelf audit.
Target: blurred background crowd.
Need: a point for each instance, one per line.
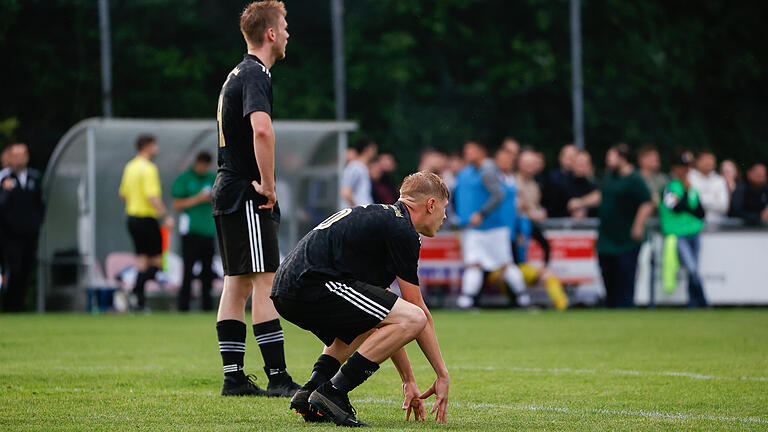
(728, 188)
(419, 77)
(695, 191)
(507, 186)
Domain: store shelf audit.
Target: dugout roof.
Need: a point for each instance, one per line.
(85, 219)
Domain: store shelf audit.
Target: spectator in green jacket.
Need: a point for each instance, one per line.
(624, 207)
(192, 196)
(682, 215)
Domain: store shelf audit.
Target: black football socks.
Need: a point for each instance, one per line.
(232, 346)
(141, 280)
(269, 335)
(325, 367)
(356, 370)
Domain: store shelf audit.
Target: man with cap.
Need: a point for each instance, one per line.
(682, 216)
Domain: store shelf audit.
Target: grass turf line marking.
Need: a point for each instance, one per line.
(471, 405)
(691, 375)
(549, 408)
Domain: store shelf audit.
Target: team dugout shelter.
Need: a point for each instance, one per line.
(85, 219)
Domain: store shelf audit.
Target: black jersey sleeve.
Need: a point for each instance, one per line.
(403, 249)
(256, 89)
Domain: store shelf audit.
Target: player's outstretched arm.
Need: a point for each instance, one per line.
(427, 341)
(413, 401)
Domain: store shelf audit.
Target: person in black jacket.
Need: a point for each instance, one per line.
(21, 214)
(558, 183)
(750, 199)
(582, 183)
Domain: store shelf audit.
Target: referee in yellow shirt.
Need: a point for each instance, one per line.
(140, 189)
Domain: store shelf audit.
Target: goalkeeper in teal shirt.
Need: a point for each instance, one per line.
(682, 216)
(192, 196)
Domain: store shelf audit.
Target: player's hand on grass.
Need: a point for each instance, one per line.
(267, 192)
(413, 402)
(440, 389)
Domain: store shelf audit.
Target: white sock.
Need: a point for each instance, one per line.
(514, 278)
(471, 284)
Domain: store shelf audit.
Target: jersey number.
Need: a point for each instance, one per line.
(220, 125)
(333, 218)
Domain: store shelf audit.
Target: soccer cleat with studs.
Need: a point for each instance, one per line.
(281, 385)
(300, 405)
(241, 386)
(334, 404)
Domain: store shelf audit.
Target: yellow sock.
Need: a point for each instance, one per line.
(556, 293)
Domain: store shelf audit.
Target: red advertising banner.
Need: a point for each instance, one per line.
(572, 257)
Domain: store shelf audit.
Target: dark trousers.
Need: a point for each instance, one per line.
(538, 235)
(688, 252)
(196, 248)
(19, 255)
(619, 278)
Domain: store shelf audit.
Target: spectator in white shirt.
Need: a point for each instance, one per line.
(356, 181)
(730, 173)
(713, 190)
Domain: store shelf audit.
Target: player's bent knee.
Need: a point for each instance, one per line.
(416, 320)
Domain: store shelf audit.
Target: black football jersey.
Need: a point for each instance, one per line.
(372, 243)
(248, 89)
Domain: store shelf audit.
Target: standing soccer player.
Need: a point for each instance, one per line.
(245, 205)
(334, 284)
(140, 189)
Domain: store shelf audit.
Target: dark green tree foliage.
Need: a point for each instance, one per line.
(419, 73)
(677, 73)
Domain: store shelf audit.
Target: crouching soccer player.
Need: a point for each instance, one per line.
(334, 284)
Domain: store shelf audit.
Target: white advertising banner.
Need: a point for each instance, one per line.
(733, 267)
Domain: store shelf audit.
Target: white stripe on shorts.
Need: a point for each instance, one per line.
(249, 220)
(365, 299)
(258, 237)
(354, 300)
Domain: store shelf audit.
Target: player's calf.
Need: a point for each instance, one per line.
(269, 335)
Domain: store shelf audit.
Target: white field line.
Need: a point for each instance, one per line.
(691, 375)
(588, 411)
(568, 371)
(477, 406)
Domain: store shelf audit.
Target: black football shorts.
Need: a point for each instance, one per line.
(145, 233)
(347, 309)
(248, 240)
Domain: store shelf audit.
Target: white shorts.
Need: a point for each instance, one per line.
(490, 249)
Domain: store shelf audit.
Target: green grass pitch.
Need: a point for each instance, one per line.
(510, 370)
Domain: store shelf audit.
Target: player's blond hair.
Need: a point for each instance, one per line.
(423, 185)
(258, 16)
